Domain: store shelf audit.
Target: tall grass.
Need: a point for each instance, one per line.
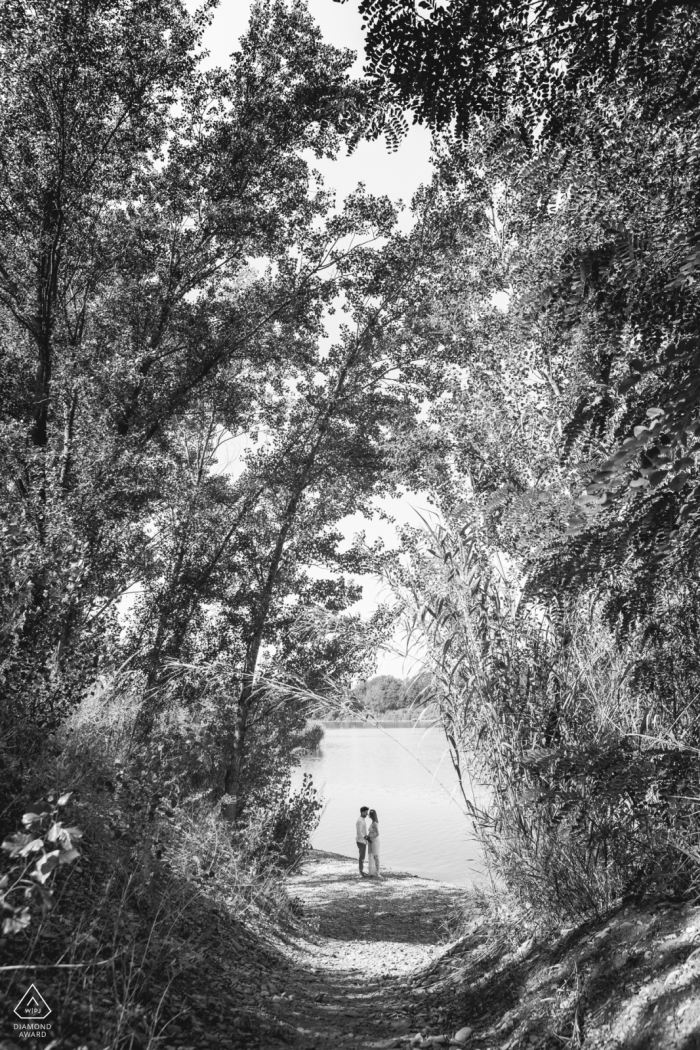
(167, 899)
(542, 707)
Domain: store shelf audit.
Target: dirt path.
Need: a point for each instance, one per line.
(383, 969)
(404, 962)
(352, 984)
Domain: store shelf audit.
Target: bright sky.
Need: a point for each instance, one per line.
(396, 175)
(399, 174)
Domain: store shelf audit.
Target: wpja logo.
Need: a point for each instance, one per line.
(32, 1010)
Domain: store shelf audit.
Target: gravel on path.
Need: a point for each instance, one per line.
(350, 982)
(416, 964)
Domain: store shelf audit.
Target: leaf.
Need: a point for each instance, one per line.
(54, 832)
(68, 856)
(17, 922)
(45, 865)
(45, 896)
(679, 481)
(63, 800)
(21, 844)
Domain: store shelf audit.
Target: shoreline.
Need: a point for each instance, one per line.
(383, 723)
(322, 854)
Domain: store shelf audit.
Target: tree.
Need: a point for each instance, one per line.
(85, 98)
(586, 381)
(381, 693)
(135, 188)
(568, 97)
(470, 59)
(329, 425)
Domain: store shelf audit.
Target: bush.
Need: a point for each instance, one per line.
(279, 832)
(134, 924)
(33, 857)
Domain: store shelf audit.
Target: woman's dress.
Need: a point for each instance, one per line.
(373, 835)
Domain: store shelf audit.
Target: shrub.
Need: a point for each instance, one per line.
(126, 948)
(33, 857)
(279, 830)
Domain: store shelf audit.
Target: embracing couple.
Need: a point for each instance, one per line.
(367, 838)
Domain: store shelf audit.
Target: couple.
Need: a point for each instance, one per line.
(368, 837)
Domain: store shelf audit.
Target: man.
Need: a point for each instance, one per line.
(361, 837)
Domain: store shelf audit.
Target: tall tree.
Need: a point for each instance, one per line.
(327, 448)
(135, 188)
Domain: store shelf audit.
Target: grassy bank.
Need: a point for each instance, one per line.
(155, 938)
(142, 917)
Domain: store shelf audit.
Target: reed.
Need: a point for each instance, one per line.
(540, 707)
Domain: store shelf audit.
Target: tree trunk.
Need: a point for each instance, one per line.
(67, 453)
(232, 779)
(47, 287)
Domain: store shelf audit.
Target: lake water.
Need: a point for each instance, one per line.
(406, 775)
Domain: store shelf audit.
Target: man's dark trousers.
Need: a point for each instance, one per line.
(362, 847)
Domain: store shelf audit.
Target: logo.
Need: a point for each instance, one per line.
(32, 1006)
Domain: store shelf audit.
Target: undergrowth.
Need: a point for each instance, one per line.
(167, 903)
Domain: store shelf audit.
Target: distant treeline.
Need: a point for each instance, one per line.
(398, 697)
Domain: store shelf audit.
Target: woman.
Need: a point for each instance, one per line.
(373, 841)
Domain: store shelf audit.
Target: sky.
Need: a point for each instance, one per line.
(396, 175)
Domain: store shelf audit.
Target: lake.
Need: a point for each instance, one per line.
(407, 776)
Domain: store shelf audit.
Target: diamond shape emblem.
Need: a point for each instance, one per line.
(32, 1006)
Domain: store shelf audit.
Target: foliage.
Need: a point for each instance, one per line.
(184, 259)
(381, 693)
(182, 439)
(387, 693)
(136, 942)
(466, 59)
(574, 194)
(280, 824)
(571, 404)
(34, 857)
(559, 605)
(584, 807)
(162, 892)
